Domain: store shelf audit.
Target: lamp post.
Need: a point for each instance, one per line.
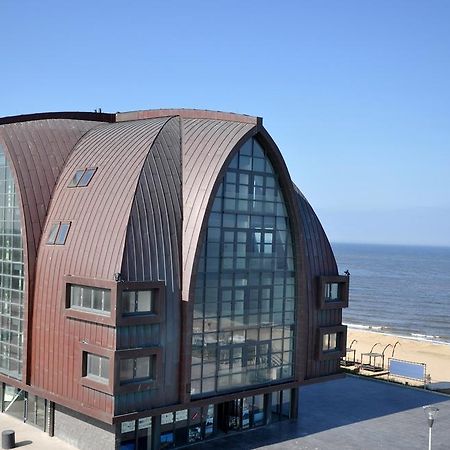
(431, 412)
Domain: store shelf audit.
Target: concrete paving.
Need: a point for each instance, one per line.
(348, 414)
(30, 437)
(352, 414)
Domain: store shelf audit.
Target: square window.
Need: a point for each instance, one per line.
(96, 367)
(331, 344)
(333, 292)
(138, 302)
(245, 162)
(137, 369)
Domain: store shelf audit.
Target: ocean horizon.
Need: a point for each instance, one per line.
(401, 290)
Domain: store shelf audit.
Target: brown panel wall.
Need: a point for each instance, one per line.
(142, 216)
(37, 151)
(94, 247)
(207, 144)
(153, 253)
(319, 261)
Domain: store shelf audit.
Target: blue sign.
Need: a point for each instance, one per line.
(407, 369)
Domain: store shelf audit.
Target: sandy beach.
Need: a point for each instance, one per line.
(436, 356)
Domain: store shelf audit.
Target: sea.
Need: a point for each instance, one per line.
(399, 290)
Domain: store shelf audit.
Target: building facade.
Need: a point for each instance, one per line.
(163, 281)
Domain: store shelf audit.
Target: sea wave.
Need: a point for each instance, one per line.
(435, 339)
(366, 327)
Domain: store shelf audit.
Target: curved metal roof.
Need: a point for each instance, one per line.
(142, 212)
(38, 151)
(207, 145)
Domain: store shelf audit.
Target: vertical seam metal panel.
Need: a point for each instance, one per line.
(212, 139)
(45, 144)
(320, 261)
(156, 216)
(94, 248)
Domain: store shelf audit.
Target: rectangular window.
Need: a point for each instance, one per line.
(332, 292)
(96, 368)
(58, 233)
(329, 342)
(81, 178)
(138, 369)
(90, 299)
(138, 302)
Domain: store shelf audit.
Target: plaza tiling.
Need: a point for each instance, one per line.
(352, 413)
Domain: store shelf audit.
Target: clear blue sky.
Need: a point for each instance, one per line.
(355, 93)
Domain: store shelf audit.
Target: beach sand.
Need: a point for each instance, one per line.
(436, 356)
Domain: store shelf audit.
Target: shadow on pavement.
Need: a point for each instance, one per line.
(23, 443)
(332, 404)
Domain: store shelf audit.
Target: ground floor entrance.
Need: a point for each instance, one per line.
(188, 426)
(175, 429)
(24, 406)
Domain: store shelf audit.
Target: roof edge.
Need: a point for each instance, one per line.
(74, 115)
(188, 114)
(135, 115)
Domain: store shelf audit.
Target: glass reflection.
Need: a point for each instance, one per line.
(12, 283)
(245, 292)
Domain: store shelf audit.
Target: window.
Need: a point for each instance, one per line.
(244, 305)
(12, 280)
(332, 292)
(58, 233)
(97, 368)
(329, 342)
(138, 302)
(81, 178)
(137, 369)
(90, 299)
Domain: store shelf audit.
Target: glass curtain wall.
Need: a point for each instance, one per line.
(243, 325)
(12, 282)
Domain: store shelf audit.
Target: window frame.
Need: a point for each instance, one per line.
(341, 342)
(86, 315)
(57, 235)
(139, 384)
(83, 173)
(141, 318)
(343, 288)
(135, 379)
(85, 381)
(101, 312)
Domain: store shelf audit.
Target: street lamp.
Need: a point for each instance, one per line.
(431, 412)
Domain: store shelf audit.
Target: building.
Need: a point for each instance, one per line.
(162, 279)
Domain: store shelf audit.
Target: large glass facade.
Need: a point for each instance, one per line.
(12, 282)
(243, 325)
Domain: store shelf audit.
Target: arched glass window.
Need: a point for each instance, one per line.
(12, 276)
(243, 325)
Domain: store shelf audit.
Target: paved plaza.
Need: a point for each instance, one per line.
(352, 413)
(30, 437)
